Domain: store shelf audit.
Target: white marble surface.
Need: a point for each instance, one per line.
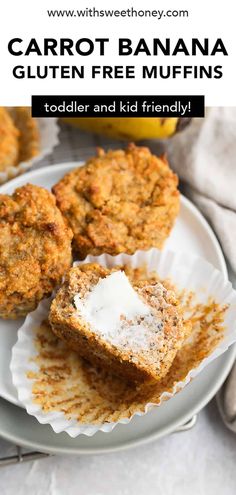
(199, 462)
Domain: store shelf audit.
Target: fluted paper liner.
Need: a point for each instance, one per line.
(57, 387)
(48, 131)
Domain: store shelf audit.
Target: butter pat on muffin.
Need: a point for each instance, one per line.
(132, 330)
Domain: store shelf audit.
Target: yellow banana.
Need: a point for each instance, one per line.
(134, 129)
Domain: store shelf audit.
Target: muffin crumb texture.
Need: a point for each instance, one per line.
(65, 382)
(143, 345)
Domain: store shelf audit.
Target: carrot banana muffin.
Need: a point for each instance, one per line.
(9, 140)
(29, 140)
(119, 201)
(35, 249)
(133, 330)
(19, 137)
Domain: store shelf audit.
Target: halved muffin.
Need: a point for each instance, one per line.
(132, 330)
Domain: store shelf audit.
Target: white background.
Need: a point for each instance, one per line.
(198, 462)
(26, 19)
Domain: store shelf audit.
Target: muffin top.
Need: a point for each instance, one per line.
(35, 248)
(9, 144)
(119, 201)
(19, 137)
(29, 138)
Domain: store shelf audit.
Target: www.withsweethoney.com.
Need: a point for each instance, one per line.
(118, 13)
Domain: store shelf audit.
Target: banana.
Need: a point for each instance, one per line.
(134, 129)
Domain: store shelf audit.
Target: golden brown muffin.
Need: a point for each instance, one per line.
(119, 201)
(29, 140)
(35, 249)
(127, 355)
(9, 141)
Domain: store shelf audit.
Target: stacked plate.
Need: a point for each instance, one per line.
(192, 234)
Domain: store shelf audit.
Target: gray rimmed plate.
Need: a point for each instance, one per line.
(191, 232)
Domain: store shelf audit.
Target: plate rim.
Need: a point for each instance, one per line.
(145, 438)
(70, 165)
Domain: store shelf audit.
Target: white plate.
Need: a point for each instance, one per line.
(191, 233)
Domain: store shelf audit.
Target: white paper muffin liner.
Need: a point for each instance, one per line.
(48, 139)
(186, 271)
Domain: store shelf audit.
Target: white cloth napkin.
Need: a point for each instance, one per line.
(204, 157)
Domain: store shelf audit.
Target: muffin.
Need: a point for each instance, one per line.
(9, 141)
(19, 137)
(119, 201)
(35, 249)
(134, 331)
(29, 140)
